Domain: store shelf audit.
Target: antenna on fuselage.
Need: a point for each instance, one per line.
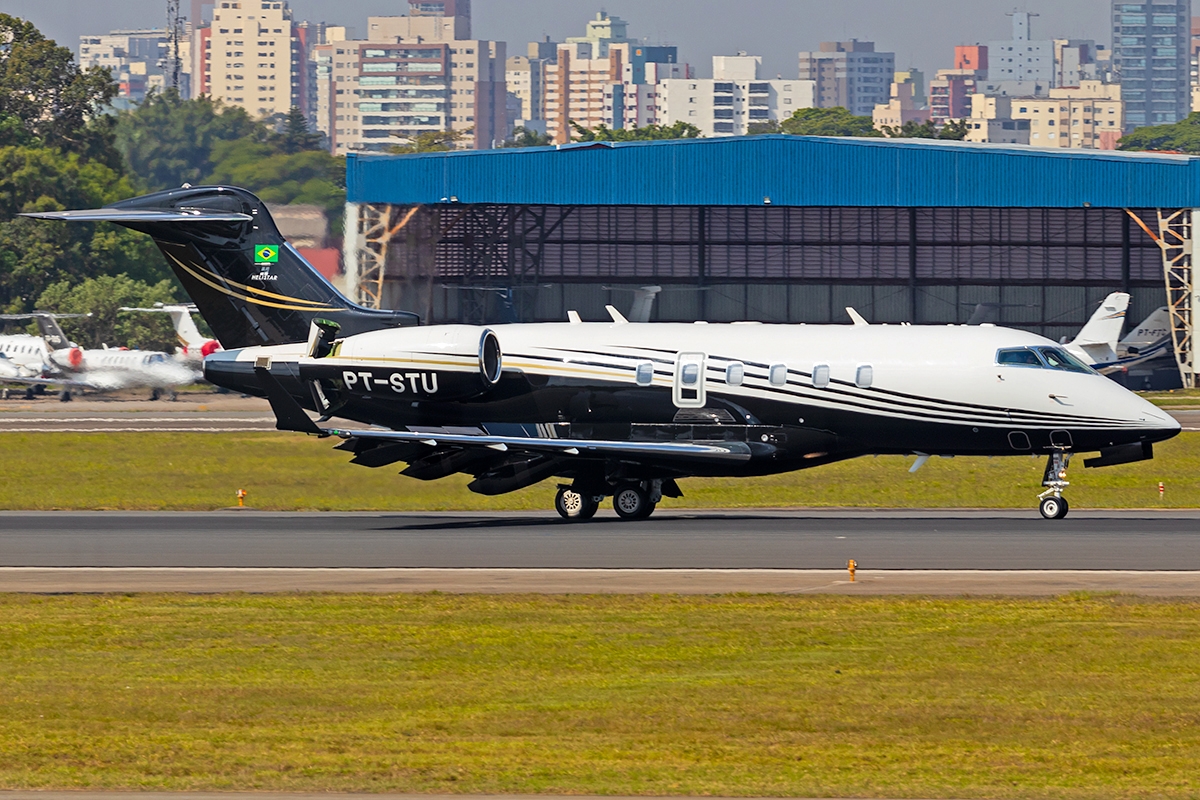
(856, 317)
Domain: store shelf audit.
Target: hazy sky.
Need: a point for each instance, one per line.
(922, 33)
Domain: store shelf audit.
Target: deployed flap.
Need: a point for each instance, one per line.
(289, 416)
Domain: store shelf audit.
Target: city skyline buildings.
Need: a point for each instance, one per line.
(919, 32)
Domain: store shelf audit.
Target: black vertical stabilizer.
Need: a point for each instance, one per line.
(251, 287)
(51, 332)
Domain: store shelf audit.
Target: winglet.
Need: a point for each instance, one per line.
(616, 315)
(856, 317)
(289, 416)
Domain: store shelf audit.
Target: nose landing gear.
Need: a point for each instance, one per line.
(1052, 504)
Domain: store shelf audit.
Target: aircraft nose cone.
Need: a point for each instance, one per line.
(1155, 419)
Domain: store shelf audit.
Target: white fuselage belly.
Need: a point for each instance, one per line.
(933, 389)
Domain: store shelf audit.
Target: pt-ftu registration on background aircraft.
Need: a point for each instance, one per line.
(619, 409)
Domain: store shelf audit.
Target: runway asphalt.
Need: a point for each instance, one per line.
(805, 540)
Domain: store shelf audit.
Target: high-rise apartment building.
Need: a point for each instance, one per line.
(1087, 117)
(412, 74)
(850, 74)
(525, 77)
(950, 94)
(1021, 58)
(251, 59)
(601, 78)
(1151, 59)
(733, 100)
(138, 60)
(1015, 65)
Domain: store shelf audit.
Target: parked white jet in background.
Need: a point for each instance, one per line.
(194, 346)
(108, 369)
(53, 360)
(1146, 348)
(1097, 342)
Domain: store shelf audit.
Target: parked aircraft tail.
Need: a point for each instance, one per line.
(51, 332)
(248, 283)
(1149, 331)
(1097, 342)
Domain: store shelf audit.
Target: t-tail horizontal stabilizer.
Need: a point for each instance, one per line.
(250, 285)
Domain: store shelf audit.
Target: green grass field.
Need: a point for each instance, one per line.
(285, 472)
(1075, 697)
(1174, 398)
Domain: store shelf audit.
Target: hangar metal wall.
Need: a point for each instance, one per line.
(1045, 268)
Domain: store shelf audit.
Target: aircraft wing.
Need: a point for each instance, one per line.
(500, 464)
(19, 381)
(720, 451)
(140, 215)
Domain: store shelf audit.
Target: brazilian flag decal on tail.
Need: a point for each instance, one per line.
(266, 254)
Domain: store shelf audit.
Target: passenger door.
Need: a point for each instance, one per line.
(688, 391)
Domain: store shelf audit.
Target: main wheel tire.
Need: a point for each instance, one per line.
(590, 507)
(632, 502)
(1054, 507)
(571, 504)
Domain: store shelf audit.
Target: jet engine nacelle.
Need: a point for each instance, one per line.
(446, 362)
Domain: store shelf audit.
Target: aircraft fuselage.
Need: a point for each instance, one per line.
(796, 395)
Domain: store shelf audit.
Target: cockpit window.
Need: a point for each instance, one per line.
(1019, 357)
(1042, 358)
(1057, 358)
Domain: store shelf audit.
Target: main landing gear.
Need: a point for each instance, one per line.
(1052, 504)
(573, 504)
(631, 500)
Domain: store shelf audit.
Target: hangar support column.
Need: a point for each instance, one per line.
(1175, 239)
(375, 227)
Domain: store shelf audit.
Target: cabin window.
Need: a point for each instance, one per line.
(778, 374)
(820, 376)
(865, 376)
(645, 373)
(735, 373)
(690, 375)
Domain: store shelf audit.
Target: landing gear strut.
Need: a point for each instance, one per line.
(1052, 504)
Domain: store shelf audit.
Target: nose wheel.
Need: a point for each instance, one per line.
(1052, 504)
(1054, 507)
